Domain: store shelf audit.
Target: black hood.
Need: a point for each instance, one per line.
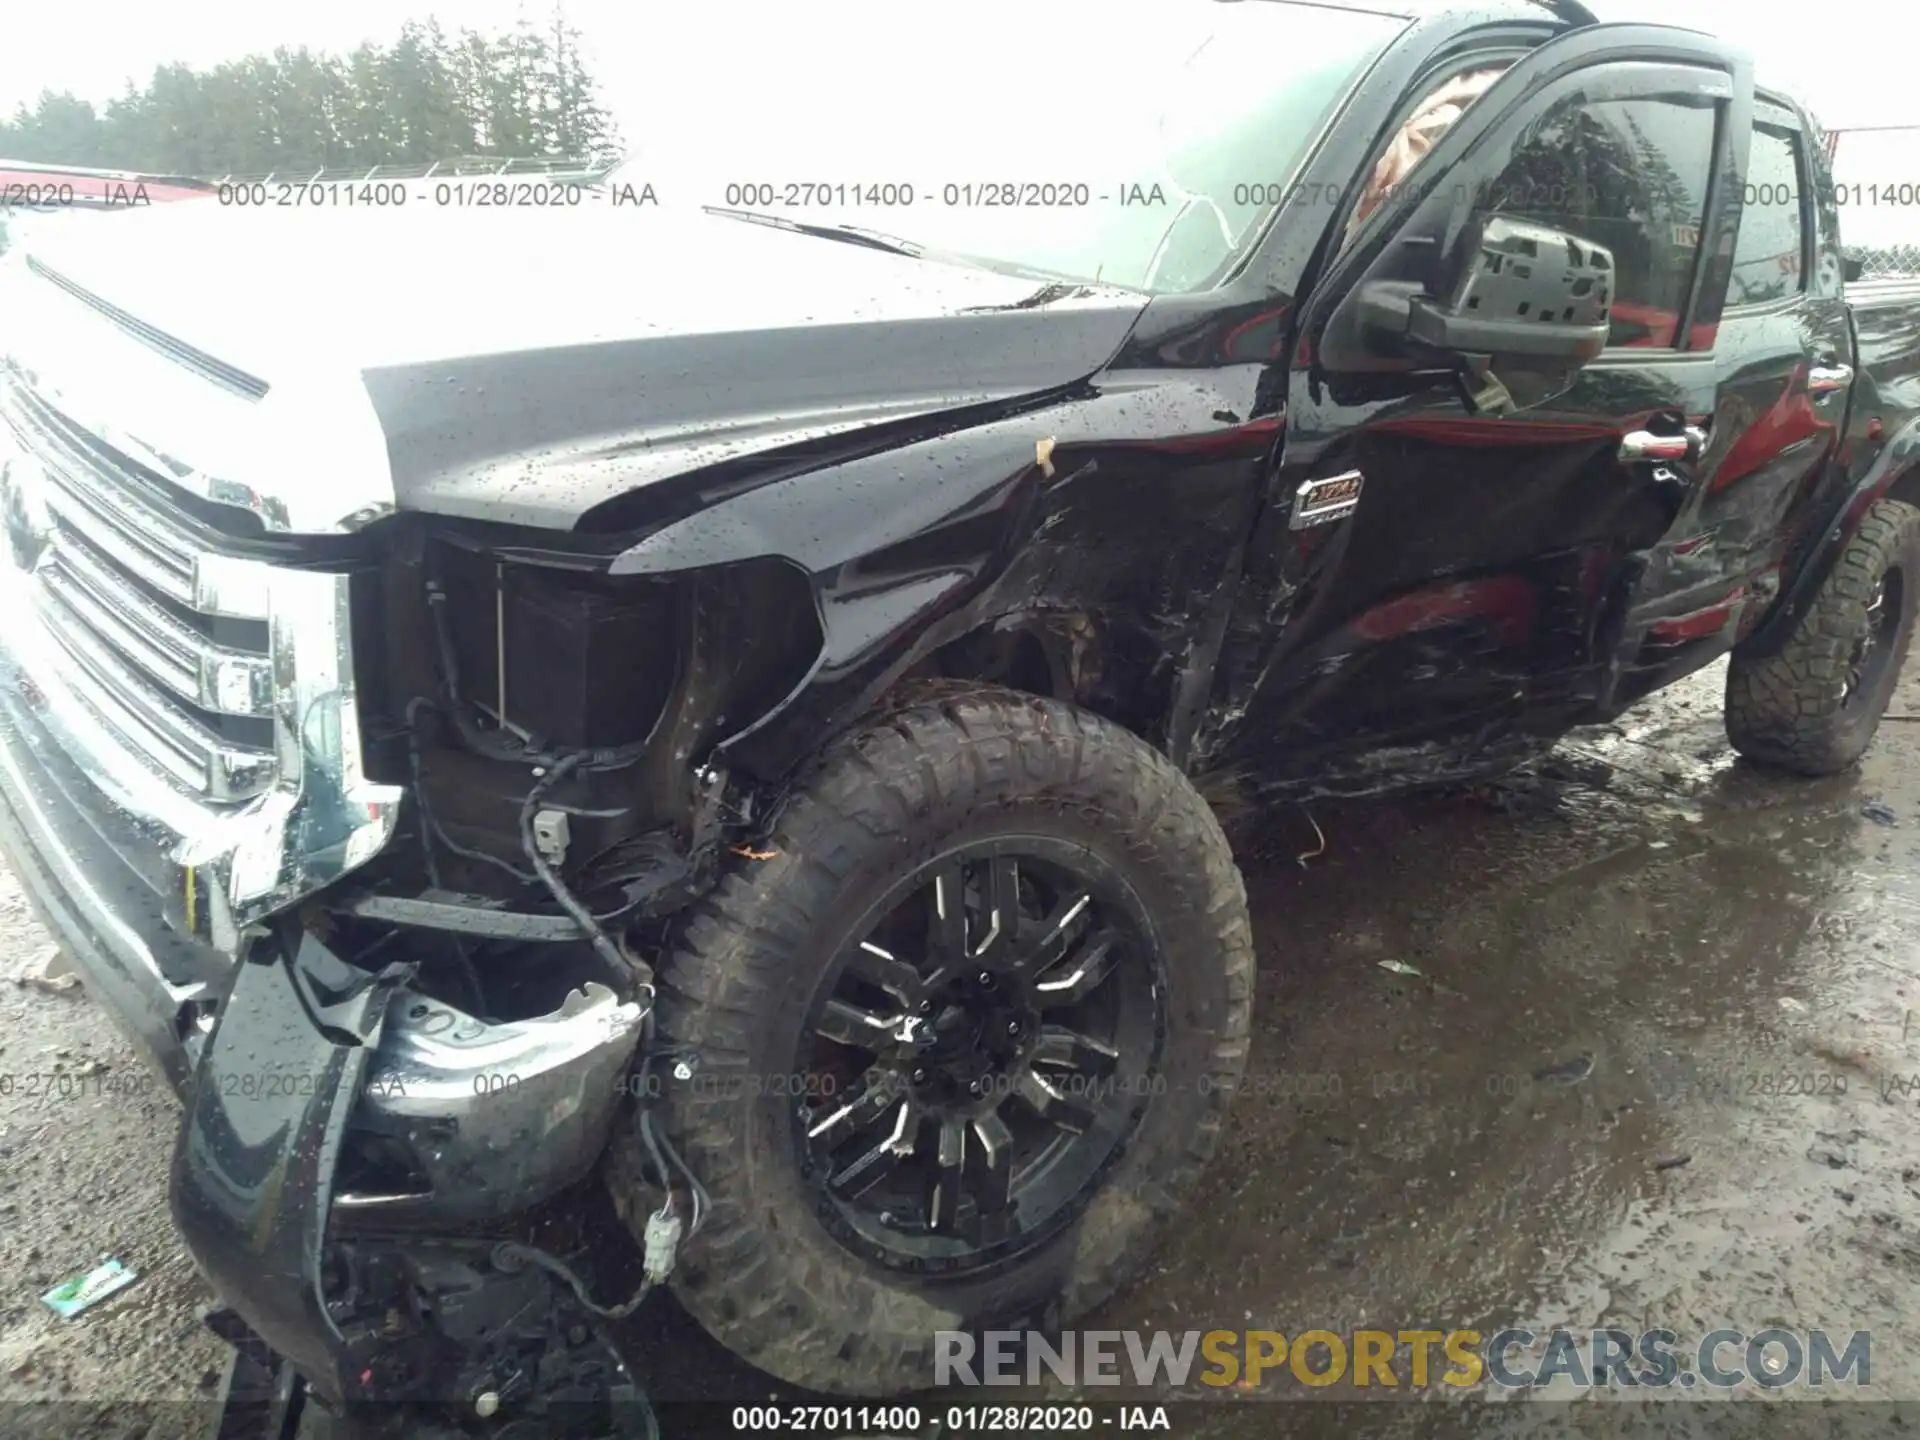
(527, 364)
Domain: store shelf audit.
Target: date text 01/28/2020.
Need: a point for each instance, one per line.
(956, 1420)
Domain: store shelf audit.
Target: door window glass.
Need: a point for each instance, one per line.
(1627, 174)
(1766, 259)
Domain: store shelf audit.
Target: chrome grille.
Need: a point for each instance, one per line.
(166, 635)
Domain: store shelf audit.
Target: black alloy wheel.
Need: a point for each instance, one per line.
(1874, 650)
(953, 1041)
(980, 1055)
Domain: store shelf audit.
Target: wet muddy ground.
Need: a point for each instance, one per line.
(1656, 1069)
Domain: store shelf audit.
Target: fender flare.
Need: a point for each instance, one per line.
(1896, 467)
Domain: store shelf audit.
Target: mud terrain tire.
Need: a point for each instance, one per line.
(1814, 706)
(919, 784)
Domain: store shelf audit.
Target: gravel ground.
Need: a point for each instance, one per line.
(1579, 1111)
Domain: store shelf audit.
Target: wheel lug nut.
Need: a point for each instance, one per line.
(926, 1007)
(919, 1074)
(986, 978)
(1013, 1027)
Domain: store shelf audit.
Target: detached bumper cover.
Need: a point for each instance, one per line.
(312, 1054)
(253, 1167)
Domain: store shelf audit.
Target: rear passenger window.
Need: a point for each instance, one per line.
(1627, 174)
(1767, 258)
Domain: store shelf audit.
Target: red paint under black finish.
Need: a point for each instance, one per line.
(1501, 575)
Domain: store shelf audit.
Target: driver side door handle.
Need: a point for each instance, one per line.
(1825, 379)
(1643, 445)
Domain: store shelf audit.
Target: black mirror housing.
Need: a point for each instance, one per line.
(1522, 293)
(1852, 268)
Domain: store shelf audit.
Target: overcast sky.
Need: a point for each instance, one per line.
(1855, 71)
(655, 57)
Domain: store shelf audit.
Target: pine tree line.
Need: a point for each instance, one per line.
(427, 97)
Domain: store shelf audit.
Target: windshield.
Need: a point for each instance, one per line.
(1134, 145)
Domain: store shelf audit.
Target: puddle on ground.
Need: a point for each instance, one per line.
(1656, 1069)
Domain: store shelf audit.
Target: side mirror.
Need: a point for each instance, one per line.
(1522, 293)
(1852, 269)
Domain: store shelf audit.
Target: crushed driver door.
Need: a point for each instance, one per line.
(1454, 561)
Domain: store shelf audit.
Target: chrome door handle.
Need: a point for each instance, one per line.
(1824, 379)
(1637, 445)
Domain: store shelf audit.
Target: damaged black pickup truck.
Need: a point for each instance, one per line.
(717, 699)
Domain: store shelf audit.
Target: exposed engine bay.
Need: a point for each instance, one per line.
(544, 719)
(491, 966)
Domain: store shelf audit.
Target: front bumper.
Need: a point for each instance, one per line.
(70, 852)
(266, 1118)
(288, 1061)
(179, 768)
(314, 1059)
(148, 888)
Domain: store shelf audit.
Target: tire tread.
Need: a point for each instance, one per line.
(777, 1304)
(1785, 709)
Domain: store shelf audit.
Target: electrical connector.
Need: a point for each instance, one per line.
(661, 1242)
(550, 835)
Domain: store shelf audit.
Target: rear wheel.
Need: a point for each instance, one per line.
(1814, 706)
(961, 1046)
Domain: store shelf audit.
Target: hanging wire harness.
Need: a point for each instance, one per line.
(686, 1204)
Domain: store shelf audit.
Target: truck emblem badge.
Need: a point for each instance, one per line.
(1319, 502)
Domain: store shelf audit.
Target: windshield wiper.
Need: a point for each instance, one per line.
(851, 234)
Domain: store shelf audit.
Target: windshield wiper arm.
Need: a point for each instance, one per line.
(851, 234)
